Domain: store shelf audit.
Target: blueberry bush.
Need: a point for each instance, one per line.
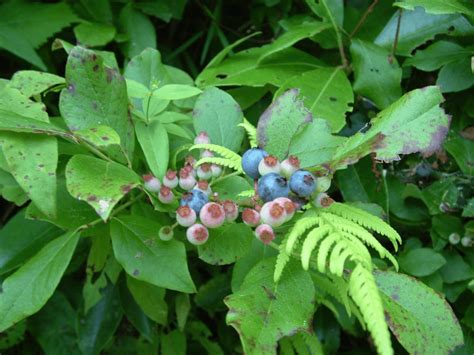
(225, 177)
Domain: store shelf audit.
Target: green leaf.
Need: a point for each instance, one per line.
(421, 262)
(21, 238)
(19, 29)
(100, 136)
(146, 68)
(17, 122)
(226, 244)
(153, 139)
(32, 160)
(173, 343)
(94, 34)
(456, 269)
(139, 250)
(326, 92)
(427, 327)
(417, 27)
(176, 92)
(456, 76)
(436, 55)
(218, 114)
(139, 30)
(96, 95)
(377, 74)
(26, 290)
(462, 150)
(230, 188)
(280, 122)
(150, 298)
(59, 337)
(260, 309)
(414, 123)
(10, 190)
(439, 6)
(313, 152)
(101, 184)
(31, 82)
(182, 308)
(96, 328)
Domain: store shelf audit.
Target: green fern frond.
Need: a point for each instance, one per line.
(364, 292)
(367, 220)
(251, 132)
(310, 243)
(222, 162)
(282, 259)
(227, 158)
(308, 221)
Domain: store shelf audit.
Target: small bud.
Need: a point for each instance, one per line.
(288, 205)
(216, 170)
(212, 215)
(166, 195)
(170, 179)
(189, 166)
(251, 217)
(265, 233)
(203, 185)
(185, 216)
(323, 183)
(186, 180)
(454, 238)
(231, 210)
(204, 171)
(202, 138)
(323, 200)
(197, 234)
(289, 166)
(273, 213)
(207, 154)
(152, 184)
(190, 160)
(269, 164)
(166, 233)
(466, 242)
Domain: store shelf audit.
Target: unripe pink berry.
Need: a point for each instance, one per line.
(288, 205)
(216, 170)
(212, 215)
(203, 185)
(189, 166)
(250, 217)
(289, 166)
(166, 195)
(204, 171)
(265, 233)
(273, 213)
(170, 179)
(186, 179)
(197, 234)
(202, 138)
(190, 160)
(269, 164)
(323, 183)
(166, 233)
(185, 216)
(152, 184)
(207, 154)
(231, 210)
(323, 200)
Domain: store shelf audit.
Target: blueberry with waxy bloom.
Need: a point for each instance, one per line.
(265, 233)
(271, 186)
(303, 183)
(185, 216)
(195, 199)
(273, 214)
(197, 234)
(250, 161)
(152, 184)
(170, 179)
(212, 215)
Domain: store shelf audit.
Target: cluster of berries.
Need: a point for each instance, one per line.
(283, 188)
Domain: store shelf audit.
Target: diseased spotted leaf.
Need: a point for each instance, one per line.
(100, 136)
(31, 82)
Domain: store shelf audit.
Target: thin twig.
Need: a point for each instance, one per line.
(363, 18)
(340, 45)
(395, 41)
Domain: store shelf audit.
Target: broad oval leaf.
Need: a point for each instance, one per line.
(31, 82)
(150, 298)
(153, 139)
(326, 92)
(280, 122)
(263, 312)
(139, 250)
(176, 92)
(421, 320)
(226, 244)
(421, 262)
(27, 289)
(100, 136)
(218, 114)
(100, 183)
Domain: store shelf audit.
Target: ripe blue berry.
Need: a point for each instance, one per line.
(302, 183)
(271, 186)
(194, 199)
(250, 161)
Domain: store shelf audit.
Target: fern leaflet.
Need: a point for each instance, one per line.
(251, 132)
(227, 158)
